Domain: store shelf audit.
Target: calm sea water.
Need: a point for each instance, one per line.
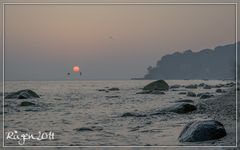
(65, 106)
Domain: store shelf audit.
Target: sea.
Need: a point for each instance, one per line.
(87, 113)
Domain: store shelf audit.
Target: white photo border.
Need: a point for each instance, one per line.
(131, 3)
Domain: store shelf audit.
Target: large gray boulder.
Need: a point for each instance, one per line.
(22, 94)
(202, 131)
(160, 85)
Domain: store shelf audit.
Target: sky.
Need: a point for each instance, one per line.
(44, 42)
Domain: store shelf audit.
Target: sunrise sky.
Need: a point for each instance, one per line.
(44, 42)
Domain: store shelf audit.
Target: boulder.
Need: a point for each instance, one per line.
(160, 85)
(22, 94)
(191, 86)
(25, 103)
(191, 94)
(202, 131)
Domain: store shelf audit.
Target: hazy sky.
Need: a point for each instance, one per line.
(43, 42)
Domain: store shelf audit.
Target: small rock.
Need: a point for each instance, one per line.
(219, 85)
(191, 94)
(202, 131)
(201, 84)
(27, 104)
(101, 90)
(207, 87)
(129, 114)
(220, 91)
(182, 93)
(114, 89)
(112, 96)
(205, 96)
(191, 86)
(179, 108)
(83, 129)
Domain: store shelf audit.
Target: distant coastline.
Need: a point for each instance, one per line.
(217, 63)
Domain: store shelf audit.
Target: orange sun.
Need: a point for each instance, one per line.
(76, 69)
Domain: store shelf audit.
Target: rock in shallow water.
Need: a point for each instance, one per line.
(179, 108)
(129, 114)
(191, 94)
(27, 104)
(205, 96)
(191, 86)
(114, 89)
(202, 131)
(220, 91)
(182, 93)
(160, 85)
(22, 94)
(83, 129)
(92, 128)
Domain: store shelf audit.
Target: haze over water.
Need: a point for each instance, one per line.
(44, 42)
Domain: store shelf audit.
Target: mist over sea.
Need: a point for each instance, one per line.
(88, 113)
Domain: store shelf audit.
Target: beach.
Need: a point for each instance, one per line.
(116, 130)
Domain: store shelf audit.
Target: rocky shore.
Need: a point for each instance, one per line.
(220, 112)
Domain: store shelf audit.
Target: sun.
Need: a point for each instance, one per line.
(76, 69)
